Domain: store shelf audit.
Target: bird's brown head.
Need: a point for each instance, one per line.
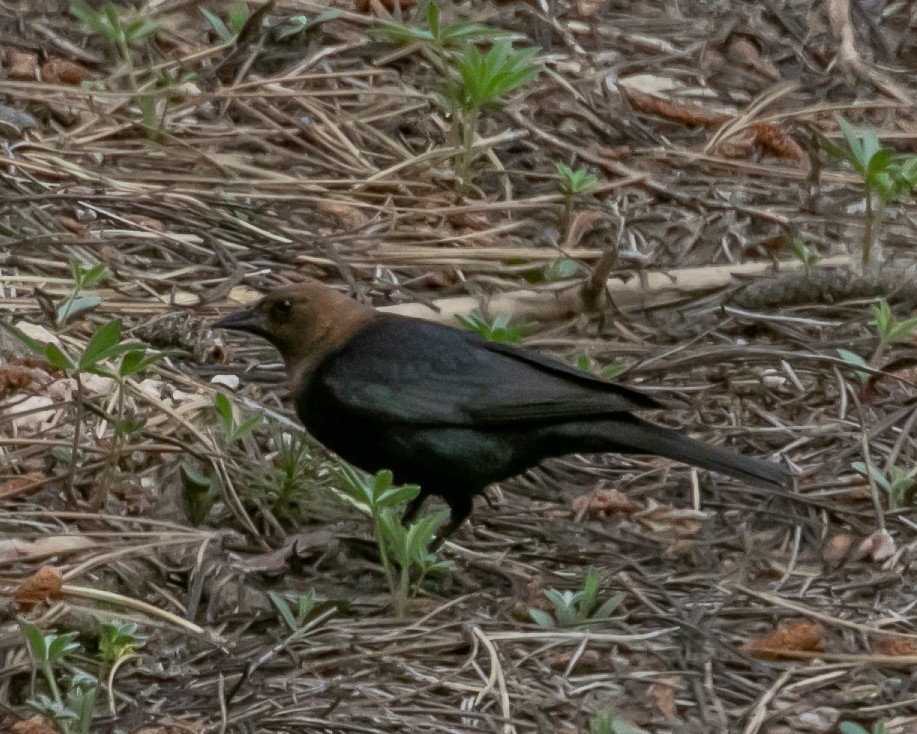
(304, 323)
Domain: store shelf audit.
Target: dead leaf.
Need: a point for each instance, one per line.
(879, 546)
(16, 485)
(300, 545)
(16, 549)
(22, 65)
(33, 725)
(62, 71)
(604, 503)
(14, 378)
(43, 585)
(895, 646)
(589, 662)
(837, 548)
(74, 226)
(587, 8)
(663, 693)
(679, 521)
(796, 636)
(148, 222)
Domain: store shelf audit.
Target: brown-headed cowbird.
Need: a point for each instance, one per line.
(445, 409)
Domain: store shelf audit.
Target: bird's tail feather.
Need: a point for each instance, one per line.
(639, 437)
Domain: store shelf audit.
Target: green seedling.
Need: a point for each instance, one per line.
(119, 640)
(899, 485)
(301, 613)
(123, 33)
(198, 493)
(232, 430)
(573, 183)
(118, 643)
(888, 327)
(561, 269)
(607, 722)
(887, 176)
(499, 329)
(577, 608)
(805, 254)
(228, 30)
(608, 372)
(481, 81)
(104, 347)
(849, 727)
(77, 302)
(438, 36)
(401, 550)
(71, 712)
(855, 360)
(473, 81)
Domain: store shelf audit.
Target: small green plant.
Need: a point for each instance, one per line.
(76, 301)
(474, 81)
(302, 612)
(887, 176)
(899, 485)
(805, 254)
(439, 37)
(233, 430)
(849, 727)
(118, 643)
(576, 608)
(608, 722)
(71, 712)
(289, 484)
(228, 30)
(499, 329)
(105, 345)
(123, 33)
(608, 372)
(888, 327)
(573, 183)
(401, 550)
(482, 81)
(855, 360)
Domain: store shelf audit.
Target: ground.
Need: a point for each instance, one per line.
(323, 151)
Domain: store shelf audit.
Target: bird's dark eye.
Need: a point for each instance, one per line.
(281, 310)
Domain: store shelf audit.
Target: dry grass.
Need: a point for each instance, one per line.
(330, 160)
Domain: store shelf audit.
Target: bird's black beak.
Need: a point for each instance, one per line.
(246, 319)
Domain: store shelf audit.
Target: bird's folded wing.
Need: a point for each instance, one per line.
(441, 376)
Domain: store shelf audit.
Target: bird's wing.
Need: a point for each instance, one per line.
(405, 370)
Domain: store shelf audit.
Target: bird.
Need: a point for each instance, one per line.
(446, 409)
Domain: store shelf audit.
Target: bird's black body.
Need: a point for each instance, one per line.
(451, 412)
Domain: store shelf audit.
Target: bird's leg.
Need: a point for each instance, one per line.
(460, 508)
(412, 509)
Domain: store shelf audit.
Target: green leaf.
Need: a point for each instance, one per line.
(217, 24)
(854, 153)
(283, 609)
(607, 608)
(224, 410)
(33, 344)
(849, 727)
(541, 618)
(35, 640)
(71, 307)
(433, 19)
(57, 358)
(104, 338)
(95, 275)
